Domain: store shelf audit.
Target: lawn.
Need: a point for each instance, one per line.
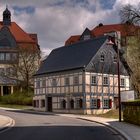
(111, 114)
(15, 106)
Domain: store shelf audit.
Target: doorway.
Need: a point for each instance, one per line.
(49, 104)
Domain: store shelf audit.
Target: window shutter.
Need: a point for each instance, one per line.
(98, 103)
(110, 103)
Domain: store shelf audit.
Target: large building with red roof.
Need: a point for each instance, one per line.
(12, 39)
(124, 30)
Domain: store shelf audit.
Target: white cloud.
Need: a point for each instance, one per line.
(55, 21)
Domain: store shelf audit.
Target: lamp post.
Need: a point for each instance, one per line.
(118, 69)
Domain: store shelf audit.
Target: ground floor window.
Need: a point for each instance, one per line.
(107, 103)
(42, 103)
(95, 103)
(36, 103)
(79, 103)
(63, 104)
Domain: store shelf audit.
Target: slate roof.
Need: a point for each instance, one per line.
(70, 57)
(8, 81)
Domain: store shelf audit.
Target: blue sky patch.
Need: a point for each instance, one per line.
(107, 4)
(27, 9)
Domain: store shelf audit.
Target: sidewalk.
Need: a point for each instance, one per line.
(5, 122)
(129, 131)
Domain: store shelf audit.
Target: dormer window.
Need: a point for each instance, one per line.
(86, 37)
(102, 58)
(115, 59)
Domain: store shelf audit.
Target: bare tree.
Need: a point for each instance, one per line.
(130, 14)
(133, 59)
(28, 64)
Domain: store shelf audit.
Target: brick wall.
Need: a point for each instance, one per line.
(131, 112)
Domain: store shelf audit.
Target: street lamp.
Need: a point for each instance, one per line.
(118, 68)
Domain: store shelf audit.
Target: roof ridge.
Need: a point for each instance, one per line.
(81, 42)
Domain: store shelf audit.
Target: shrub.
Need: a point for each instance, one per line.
(19, 98)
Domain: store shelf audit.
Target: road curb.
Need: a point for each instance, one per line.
(8, 125)
(123, 134)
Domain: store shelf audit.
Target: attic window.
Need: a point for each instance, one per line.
(86, 37)
(115, 59)
(102, 58)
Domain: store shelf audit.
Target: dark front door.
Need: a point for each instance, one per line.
(49, 104)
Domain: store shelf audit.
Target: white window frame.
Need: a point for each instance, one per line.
(54, 82)
(86, 37)
(76, 80)
(94, 79)
(122, 82)
(93, 103)
(105, 80)
(106, 103)
(67, 81)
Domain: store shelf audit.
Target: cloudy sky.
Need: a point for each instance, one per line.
(56, 20)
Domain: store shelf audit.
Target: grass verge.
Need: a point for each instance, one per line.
(110, 114)
(15, 106)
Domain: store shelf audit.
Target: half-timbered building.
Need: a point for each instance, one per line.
(81, 78)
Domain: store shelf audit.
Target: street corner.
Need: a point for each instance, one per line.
(6, 123)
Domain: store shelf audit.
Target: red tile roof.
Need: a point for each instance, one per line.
(19, 34)
(101, 30)
(72, 39)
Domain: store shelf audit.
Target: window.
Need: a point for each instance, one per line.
(2, 71)
(76, 80)
(1, 56)
(37, 103)
(42, 103)
(63, 104)
(102, 58)
(14, 56)
(86, 37)
(122, 82)
(79, 103)
(43, 83)
(54, 83)
(95, 103)
(115, 59)
(67, 81)
(107, 103)
(105, 81)
(7, 56)
(37, 84)
(8, 71)
(93, 80)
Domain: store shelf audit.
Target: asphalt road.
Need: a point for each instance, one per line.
(31, 126)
